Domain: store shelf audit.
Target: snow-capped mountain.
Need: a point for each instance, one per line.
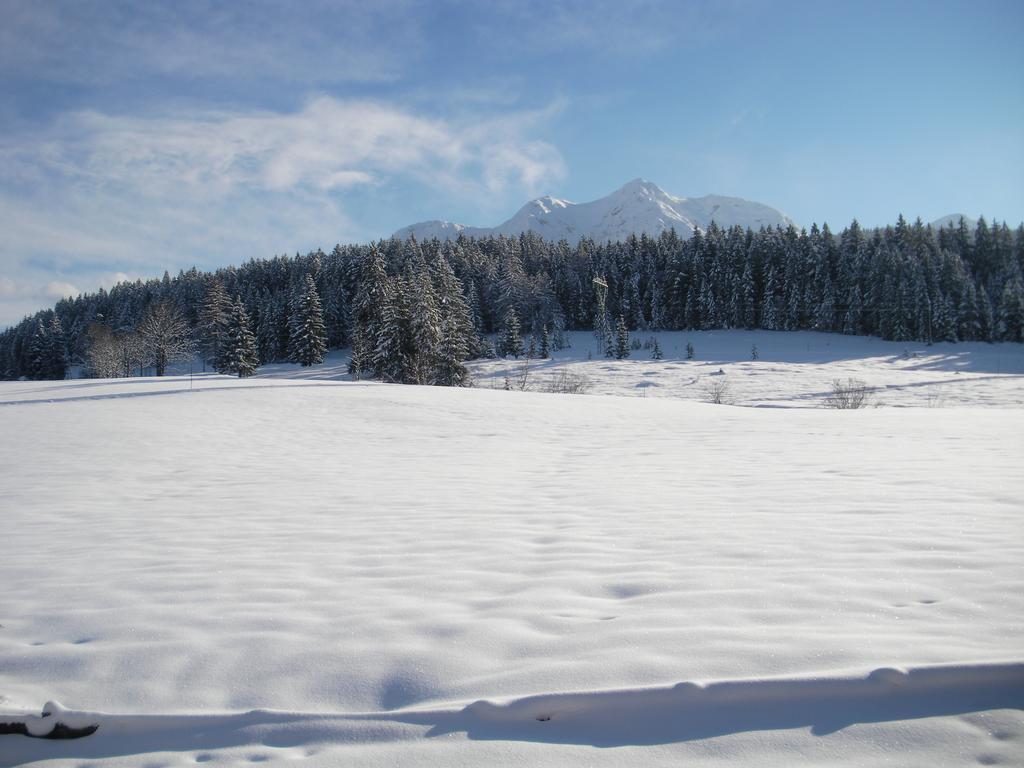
(638, 207)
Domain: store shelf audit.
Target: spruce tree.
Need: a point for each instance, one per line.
(545, 343)
(621, 339)
(370, 296)
(58, 358)
(656, 353)
(424, 351)
(308, 336)
(967, 313)
(214, 320)
(388, 357)
(459, 337)
(359, 362)
(1010, 314)
(238, 354)
(38, 353)
(511, 341)
(689, 351)
(986, 317)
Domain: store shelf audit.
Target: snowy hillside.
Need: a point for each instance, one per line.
(638, 207)
(300, 569)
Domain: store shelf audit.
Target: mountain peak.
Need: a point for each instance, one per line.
(638, 207)
(642, 188)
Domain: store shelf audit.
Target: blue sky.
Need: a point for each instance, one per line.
(142, 136)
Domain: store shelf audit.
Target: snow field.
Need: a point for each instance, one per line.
(367, 566)
(793, 369)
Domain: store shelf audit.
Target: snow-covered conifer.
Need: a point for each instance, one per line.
(238, 354)
(214, 319)
(388, 358)
(511, 341)
(621, 339)
(308, 336)
(424, 351)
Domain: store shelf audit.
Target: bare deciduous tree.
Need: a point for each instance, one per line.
(165, 336)
(717, 391)
(102, 357)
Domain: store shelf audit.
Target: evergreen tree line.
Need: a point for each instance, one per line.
(413, 312)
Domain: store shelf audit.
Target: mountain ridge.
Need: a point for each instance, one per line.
(638, 207)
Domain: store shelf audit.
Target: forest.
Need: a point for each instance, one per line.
(413, 312)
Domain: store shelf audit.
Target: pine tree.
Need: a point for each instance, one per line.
(1010, 315)
(986, 317)
(770, 315)
(459, 336)
(472, 297)
(47, 354)
(656, 353)
(657, 311)
(370, 296)
(424, 352)
(214, 319)
(545, 343)
(57, 359)
(388, 357)
(38, 352)
(621, 339)
(689, 351)
(308, 336)
(266, 330)
(359, 363)
(511, 341)
(749, 307)
(824, 315)
(967, 313)
(854, 310)
(238, 354)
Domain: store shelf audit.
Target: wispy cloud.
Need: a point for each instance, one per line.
(635, 29)
(328, 145)
(105, 41)
(98, 192)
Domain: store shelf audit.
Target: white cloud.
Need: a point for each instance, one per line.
(96, 193)
(58, 289)
(329, 144)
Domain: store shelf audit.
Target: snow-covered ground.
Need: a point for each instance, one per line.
(792, 370)
(301, 569)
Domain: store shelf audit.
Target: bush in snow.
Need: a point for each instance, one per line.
(851, 394)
